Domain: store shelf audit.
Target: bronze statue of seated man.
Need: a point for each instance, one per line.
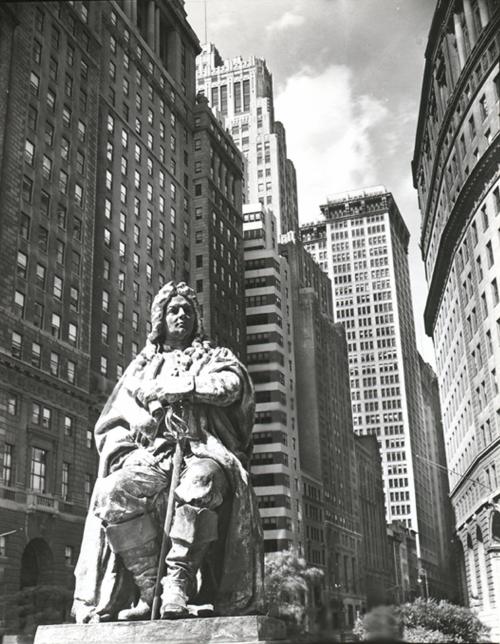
(179, 385)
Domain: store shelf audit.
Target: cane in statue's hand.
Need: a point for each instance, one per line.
(176, 425)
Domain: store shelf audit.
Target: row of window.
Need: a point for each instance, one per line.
(55, 362)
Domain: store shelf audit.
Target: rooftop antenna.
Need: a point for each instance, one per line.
(206, 28)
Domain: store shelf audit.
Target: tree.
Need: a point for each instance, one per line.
(290, 586)
(30, 607)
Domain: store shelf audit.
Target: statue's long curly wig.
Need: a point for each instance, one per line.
(163, 297)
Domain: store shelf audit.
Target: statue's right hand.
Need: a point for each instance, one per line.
(145, 433)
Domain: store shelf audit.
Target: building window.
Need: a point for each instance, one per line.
(69, 555)
(38, 314)
(19, 301)
(22, 264)
(104, 332)
(54, 363)
(87, 490)
(8, 465)
(38, 469)
(57, 289)
(36, 352)
(494, 292)
(78, 195)
(105, 301)
(66, 116)
(65, 481)
(104, 365)
(43, 239)
(27, 193)
(29, 152)
(81, 131)
(34, 83)
(71, 371)
(74, 298)
(12, 403)
(63, 182)
(55, 326)
(46, 417)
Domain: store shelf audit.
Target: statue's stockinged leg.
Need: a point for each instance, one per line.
(192, 532)
(135, 541)
(201, 490)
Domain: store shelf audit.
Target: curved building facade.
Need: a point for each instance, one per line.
(456, 172)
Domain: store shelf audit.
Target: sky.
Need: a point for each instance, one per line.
(347, 77)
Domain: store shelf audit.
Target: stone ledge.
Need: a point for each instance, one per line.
(221, 630)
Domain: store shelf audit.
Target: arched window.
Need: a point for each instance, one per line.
(471, 564)
(495, 526)
(494, 552)
(483, 574)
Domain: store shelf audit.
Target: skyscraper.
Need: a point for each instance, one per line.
(217, 231)
(96, 173)
(326, 439)
(145, 179)
(445, 585)
(362, 244)
(242, 91)
(271, 362)
(455, 169)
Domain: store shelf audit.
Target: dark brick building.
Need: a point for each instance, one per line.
(375, 554)
(217, 230)
(96, 170)
(326, 438)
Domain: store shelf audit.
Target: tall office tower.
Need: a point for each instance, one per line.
(446, 584)
(242, 91)
(271, 362)
(96, 168)
(49, 116)
(375, 557)
(217, 231)
(362, 244)
(326, 439)
(144, 184)
(455, 169)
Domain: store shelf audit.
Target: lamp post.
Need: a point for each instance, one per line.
(422, 573)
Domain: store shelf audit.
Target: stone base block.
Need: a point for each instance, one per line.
(250, 629)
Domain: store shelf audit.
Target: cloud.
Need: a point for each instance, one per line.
(287, 20)
(329, 134)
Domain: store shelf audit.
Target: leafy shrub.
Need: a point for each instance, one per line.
(458, 623)
(37, 605)
(382, 623)
(422, 621)
(424, 635)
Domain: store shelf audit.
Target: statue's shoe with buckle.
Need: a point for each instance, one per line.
(174, 603)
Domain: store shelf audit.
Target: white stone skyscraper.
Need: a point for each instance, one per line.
(241, 90)
(362, 244)
(456, 172)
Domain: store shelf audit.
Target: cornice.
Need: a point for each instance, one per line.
(466, 476)
(443, 131)
(480, 46)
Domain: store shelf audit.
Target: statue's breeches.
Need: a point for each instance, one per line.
(131, 490)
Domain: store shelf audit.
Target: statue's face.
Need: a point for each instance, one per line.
(179, 320)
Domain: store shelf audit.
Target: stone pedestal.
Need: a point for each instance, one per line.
(251, 629)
